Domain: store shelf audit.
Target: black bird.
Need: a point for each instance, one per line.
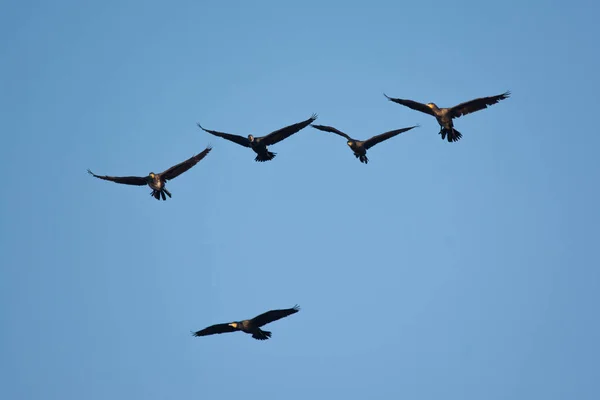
(444, 116)
(250, 326)
(259, 144)
(360, 147)
(157, 181)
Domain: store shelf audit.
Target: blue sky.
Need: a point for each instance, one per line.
(457, 271)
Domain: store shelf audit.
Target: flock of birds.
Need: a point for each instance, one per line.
(259, 145)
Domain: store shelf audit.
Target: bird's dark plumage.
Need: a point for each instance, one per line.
(215, 329)
(157, 181)
(284, 133)
(444, 116)
(412, 104)
(125, 180)
(326, 128)
(385, 136)
(360, 147)
(481, 103)
(182, 167)
(250, 326)
(242, 141)
(259, 144)
(273, 315)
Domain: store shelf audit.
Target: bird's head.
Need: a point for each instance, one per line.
(350, 143)
(431, 105)
(151, 175)
(251, 138)
(234, 325)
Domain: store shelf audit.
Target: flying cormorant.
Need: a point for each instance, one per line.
(250, 326)
(444, 116)
(259, 144)
(360, 147)
(157, 181)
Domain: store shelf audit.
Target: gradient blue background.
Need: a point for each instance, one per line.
(437, 271)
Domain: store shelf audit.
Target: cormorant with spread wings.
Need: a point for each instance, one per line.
(157, 181)
(259, 144)
(445, 116)
(360, 147)
(250, 326)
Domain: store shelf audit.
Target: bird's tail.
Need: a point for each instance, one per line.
(362, 158)
(261, 335)
(267, 156)
(452, 133)
(158, 194)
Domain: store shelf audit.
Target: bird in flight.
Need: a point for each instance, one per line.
(250, 326)
(360, 147)
(444, 116)
(259, 144)
(157, 181)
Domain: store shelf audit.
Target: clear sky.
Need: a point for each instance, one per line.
(440, 270)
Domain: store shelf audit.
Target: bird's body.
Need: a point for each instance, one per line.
(157, 182)
(260, 144)
(260, 148)
(249, 326)
(445, 116)
(442, 115)
(360, 147)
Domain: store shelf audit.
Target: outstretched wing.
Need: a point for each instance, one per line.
(412, 104)
(214, 330)
(280, 134)
(180, 168)
(326, 128)
(475, 105)
(384, 136)
(233, 138)
(273, 315)
(126, 180)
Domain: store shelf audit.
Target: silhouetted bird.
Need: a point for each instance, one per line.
(259, 144)
(157, 181)
(250, 326)
(360, 147)
(444, 116)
